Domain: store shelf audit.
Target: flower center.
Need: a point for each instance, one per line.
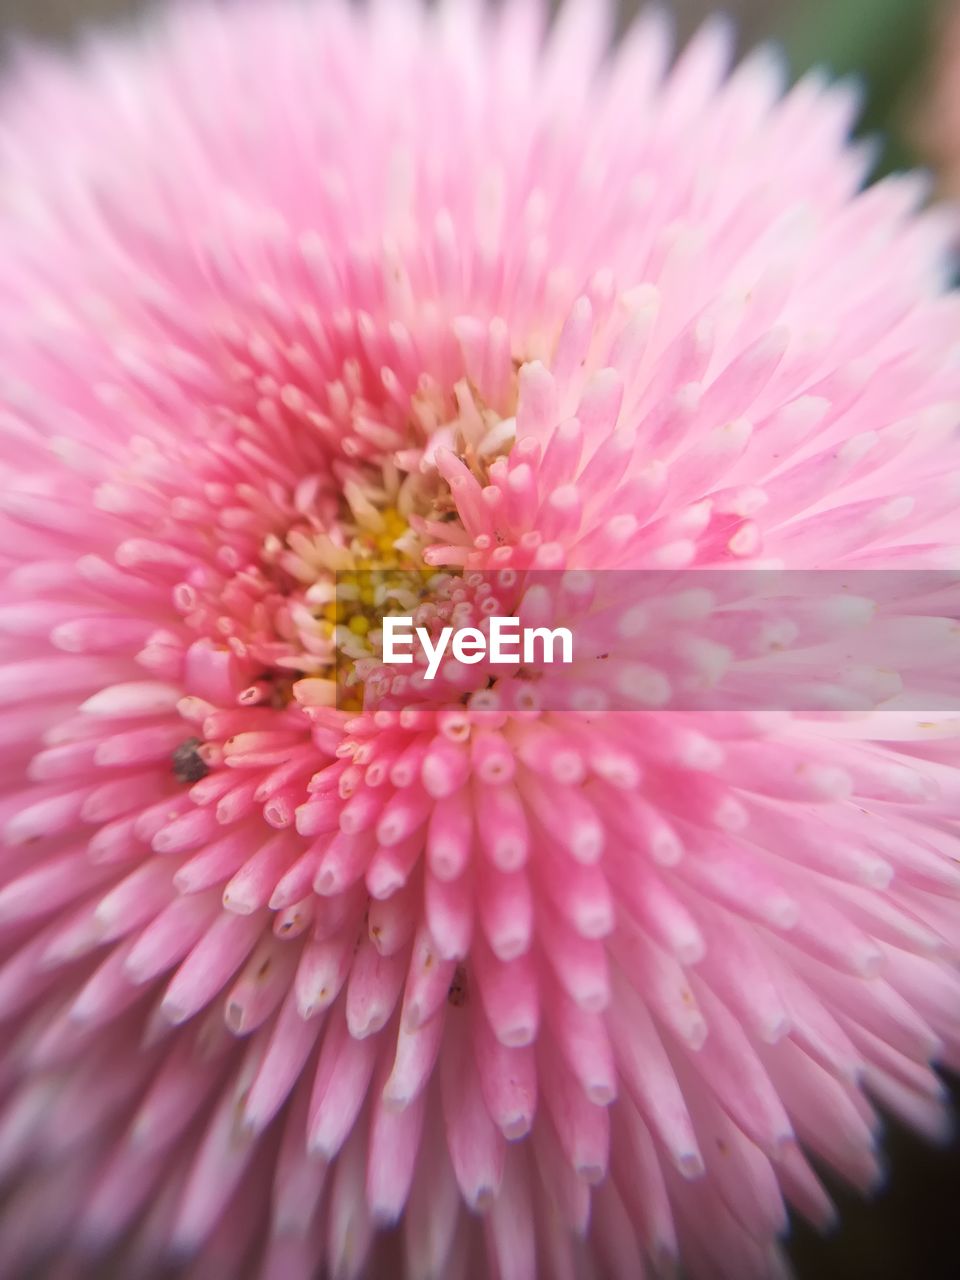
(301, 593)
(369, 562)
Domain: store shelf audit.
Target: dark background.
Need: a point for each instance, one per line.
(911, 1229)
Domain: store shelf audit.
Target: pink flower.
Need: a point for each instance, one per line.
(293, 951)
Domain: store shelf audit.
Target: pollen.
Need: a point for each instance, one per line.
(374, 567)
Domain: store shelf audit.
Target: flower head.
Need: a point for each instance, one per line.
(311, 313)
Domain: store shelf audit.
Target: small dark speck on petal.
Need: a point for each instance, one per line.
(188, 765)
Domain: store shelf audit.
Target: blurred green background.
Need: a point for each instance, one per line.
(888, 44)
(909, 1232)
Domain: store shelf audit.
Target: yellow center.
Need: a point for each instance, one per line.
(389, 577)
